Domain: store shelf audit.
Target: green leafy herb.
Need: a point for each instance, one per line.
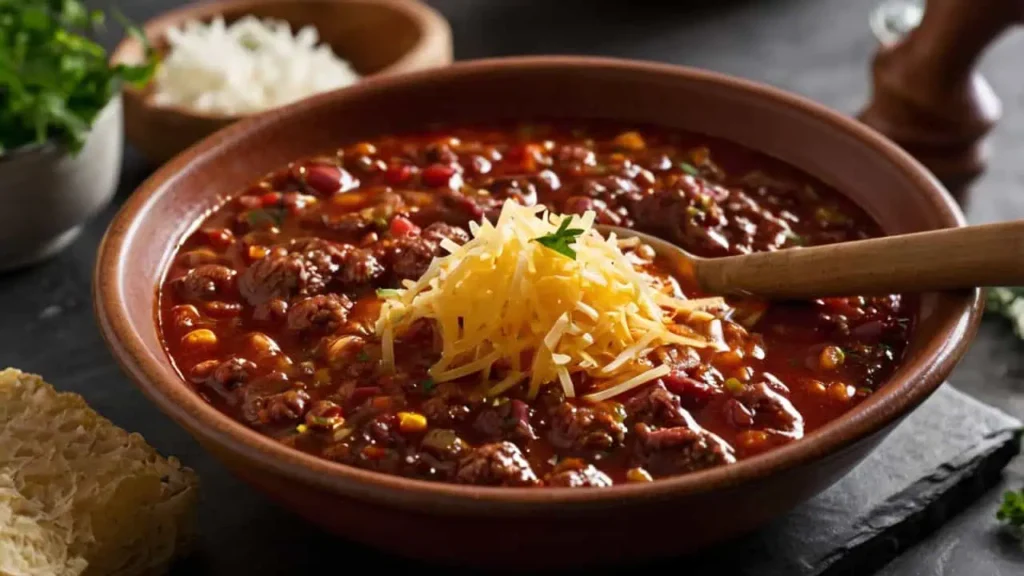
(560, 240)
(689, 168)
(387, 293)
(1012, 509)
(55, 80)
(363, 356)
(428, 384)
(1007, 302)
(265, 217)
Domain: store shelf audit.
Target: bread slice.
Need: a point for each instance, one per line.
(80, 496)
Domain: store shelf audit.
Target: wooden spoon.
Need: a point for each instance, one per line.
(947, 259)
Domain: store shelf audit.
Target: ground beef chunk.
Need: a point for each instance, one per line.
(521, 189)
(446, 410)
(679, 449)
(439, 231)
(411, 256)
(771, 410)
(656, 405)
(358, 267)
(206, 282)
(499, 464)
(320, 314)
(287, 406)
(510, 420)
(222, 377)
(574, 473)
(281, 276)
(680, 215)
(233, 372)
(254, 395)
(580, 428)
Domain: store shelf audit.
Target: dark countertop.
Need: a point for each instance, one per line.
(819, 48)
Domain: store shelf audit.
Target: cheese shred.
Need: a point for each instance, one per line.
(506, 304)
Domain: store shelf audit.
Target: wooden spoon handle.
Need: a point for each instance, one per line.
(954, 258)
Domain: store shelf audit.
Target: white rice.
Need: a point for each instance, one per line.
(250, 66)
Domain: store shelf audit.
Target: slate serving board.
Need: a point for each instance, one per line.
(940, 459)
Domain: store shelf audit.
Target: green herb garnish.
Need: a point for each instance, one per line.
(265, 217)
(428, 384)
(689, 168)
(561, 239)
(1012, 509)
(1007, 302)
(55, 80)
(388, 293)
(363, 356)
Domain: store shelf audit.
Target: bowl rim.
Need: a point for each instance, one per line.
(433, 27)
(939, 355)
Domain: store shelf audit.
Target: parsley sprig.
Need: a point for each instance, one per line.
(1012, 509)
(560, 240)
(54, 79)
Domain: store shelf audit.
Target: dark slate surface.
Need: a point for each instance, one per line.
(819, 48)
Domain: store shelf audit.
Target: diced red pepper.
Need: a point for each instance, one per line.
(219, 238)
(438, 175)
(402, 226)
(374, 452)
(271, 199)
(398, 174)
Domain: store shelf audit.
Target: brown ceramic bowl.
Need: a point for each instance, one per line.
(532, 527)
(377, 37)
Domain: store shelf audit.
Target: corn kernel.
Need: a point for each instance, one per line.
(831, 357)
(733, 385)
(411, 422)
(841, 392)
(201, 338)
(729, 358)
(744, 374)
(263, 345)
(364, 149)
(321, 377)
(752, 439)
(816, 387)
(638, 475)
(630, 141)
(258, 252)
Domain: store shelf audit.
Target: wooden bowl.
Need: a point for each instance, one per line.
(546, 526)
(378, 37)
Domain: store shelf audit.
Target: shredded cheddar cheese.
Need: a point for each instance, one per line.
(505, 299)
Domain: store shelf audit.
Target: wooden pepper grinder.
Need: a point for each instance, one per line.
(928, 96)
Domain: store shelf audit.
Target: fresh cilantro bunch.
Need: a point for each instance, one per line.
(54, 80)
